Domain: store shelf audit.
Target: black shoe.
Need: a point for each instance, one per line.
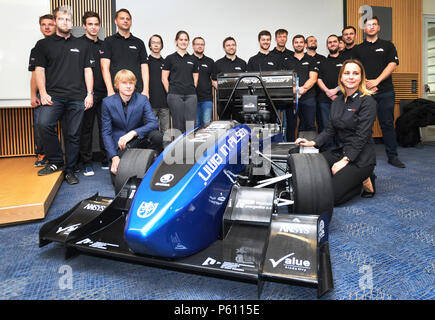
(396, 162)
(71, 178)
(368, 194)
(77, 168)
(50, 168)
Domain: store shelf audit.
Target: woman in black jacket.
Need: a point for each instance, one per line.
(351, 119)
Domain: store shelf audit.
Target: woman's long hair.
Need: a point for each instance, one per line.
(362, 85)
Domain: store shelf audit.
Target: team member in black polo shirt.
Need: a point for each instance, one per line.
(125, 51)
(65, 82)
(328, 80)
(91, 24)
(264, 60)
(311, 45)
(204, 109)
(230, 63)
(157, 91)
(306, 69)
(379, 58)
(180, 78)
(281, 36)
(47, 26)
(348, 36)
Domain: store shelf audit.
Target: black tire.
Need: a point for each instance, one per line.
(311, 184)
(134, 162)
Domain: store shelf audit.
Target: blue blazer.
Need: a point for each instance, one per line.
(115, 124)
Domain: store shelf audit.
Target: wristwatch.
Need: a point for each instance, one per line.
(90, 92)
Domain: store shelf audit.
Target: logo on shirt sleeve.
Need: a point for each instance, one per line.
(270, 63)
(379, 50)
(133, 47)
(237, 68)
(74, 50)
(305, 63)
(189, 62)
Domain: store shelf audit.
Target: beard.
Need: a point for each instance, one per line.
(314, 48)
(333, 51)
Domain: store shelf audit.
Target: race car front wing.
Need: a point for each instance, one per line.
(257, 243)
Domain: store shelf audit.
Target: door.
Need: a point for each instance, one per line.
(429, 57)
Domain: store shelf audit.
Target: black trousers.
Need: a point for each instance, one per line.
(71, 113)
(347, 182)
(87, 133)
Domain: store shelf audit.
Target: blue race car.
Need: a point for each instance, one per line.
(228, 199)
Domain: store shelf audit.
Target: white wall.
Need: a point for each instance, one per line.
(213, 20)
(242, 19)
(428, 7)
(20, 31)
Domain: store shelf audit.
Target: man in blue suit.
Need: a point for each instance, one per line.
(128, 120)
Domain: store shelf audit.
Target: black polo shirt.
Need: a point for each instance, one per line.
(226, 65)
(282, 55)
(64, 61)
(157, 91)
(96, 51)
(303, 68)
(349, 53)
(205, 67)
(125, 53)
(375, 57)
(318, 58)
(32, 59)
(264, 62)
(328, 72)
(181, 70)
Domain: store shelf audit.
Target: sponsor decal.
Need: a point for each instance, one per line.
(351, 109)
(237, 68)
(67, 230)
(294, 228)
(146, 209)
(97, 245)
(213, 163)
(226, 265)
(165, 179)
(290, 262)
(321, 230)
(189, 62)
(74, 50)
(339, 65)
(305, 63)
(204, 65)
(94, 207)
(132, 47)
(210, 262)
(270, 63)
(379, 50)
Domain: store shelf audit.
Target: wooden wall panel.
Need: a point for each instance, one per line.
(407, 29)
(407, 37)
(103, 7)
